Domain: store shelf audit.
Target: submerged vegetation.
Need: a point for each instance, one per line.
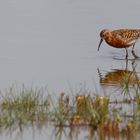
(29, 106)
(110, 118)
(100, 115)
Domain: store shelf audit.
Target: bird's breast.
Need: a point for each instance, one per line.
(117, 42)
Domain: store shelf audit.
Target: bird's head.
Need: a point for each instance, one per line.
(103, 34)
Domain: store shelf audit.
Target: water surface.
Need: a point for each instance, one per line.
(54, 43)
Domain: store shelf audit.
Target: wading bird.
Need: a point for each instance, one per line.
(122, 38)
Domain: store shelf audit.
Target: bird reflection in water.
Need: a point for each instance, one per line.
(120, 77)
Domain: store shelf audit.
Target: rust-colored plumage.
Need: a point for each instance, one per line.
(122, 38)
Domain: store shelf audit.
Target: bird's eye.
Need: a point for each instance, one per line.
(102, 35)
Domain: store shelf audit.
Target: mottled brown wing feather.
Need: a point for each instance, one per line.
(128, 35)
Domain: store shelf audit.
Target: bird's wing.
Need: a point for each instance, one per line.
(128, 35)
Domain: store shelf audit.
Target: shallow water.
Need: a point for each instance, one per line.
(54, 43)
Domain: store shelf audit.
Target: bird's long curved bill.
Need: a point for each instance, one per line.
(100, 43)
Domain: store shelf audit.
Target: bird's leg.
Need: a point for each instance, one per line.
(133, 52)
(126, 54)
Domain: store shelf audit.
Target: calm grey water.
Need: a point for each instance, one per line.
(54, 43)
